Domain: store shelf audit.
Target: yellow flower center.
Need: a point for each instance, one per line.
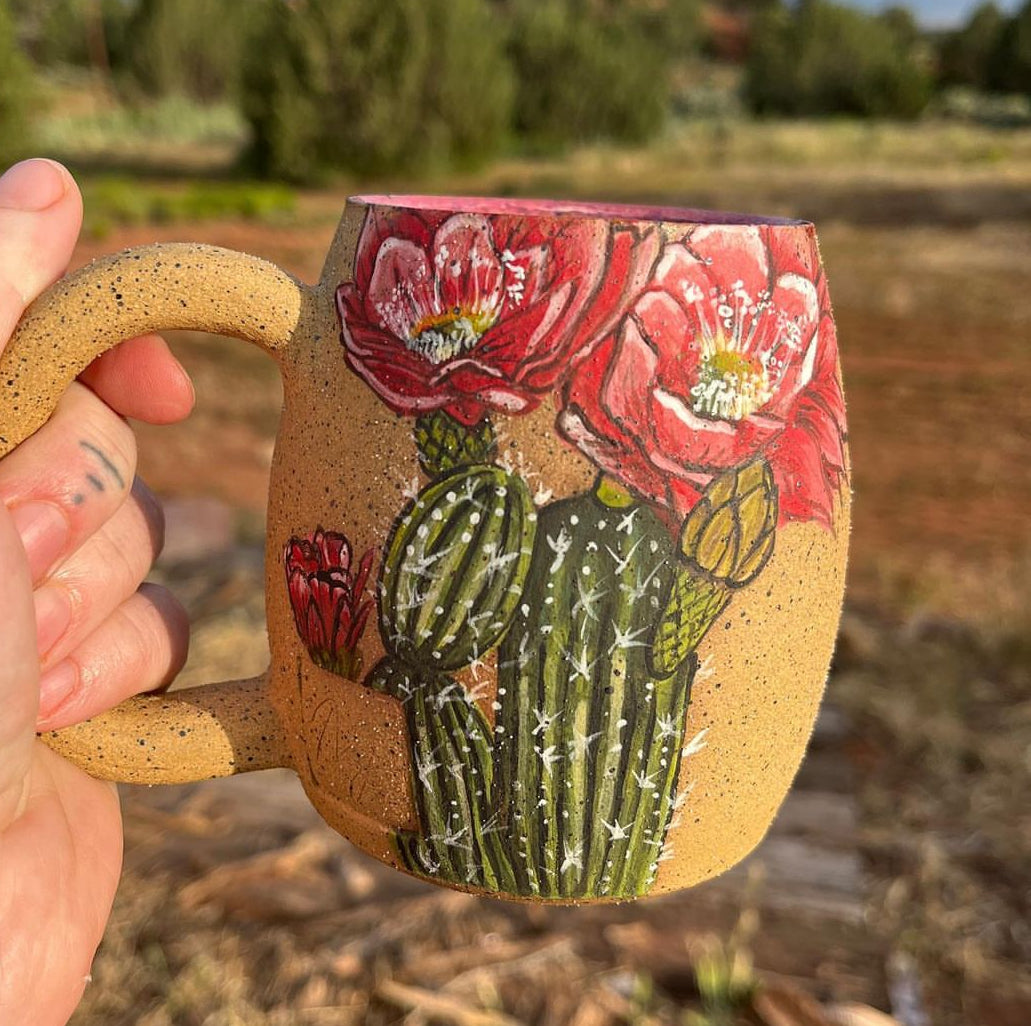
(732, 384)
(440, 337)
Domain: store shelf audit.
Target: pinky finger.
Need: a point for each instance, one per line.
(140, 647)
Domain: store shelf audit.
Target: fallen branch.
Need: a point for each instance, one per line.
(440, 1007)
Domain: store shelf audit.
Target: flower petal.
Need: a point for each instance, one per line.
(790, 336)
(733, 254)
(632, 253)
(804, 490)
(467, 270)
(401, 291)
(381, 224)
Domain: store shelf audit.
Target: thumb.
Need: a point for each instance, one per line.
(19, 671)
(40, 215)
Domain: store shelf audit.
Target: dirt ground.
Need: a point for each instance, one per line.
(896, 877)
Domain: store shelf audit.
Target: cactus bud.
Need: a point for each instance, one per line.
(445, 443)
(729, 535)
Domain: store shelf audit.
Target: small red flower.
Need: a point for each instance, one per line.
(730, 352)
(470, 312)
(328, 600)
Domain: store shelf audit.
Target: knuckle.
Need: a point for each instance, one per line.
(113, 563)
(142, 639)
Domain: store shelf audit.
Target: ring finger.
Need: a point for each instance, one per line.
(141, 646)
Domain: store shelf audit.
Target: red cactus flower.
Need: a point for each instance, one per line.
(470, 312)
(328, 599)
(729, 353)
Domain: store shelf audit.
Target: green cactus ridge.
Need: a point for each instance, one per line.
(458, 839)
(588, 735)
(445, 444)
(454, 568)
(596, 616)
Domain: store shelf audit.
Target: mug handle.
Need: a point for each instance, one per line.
(201, 732)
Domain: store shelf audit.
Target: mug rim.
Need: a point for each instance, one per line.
(539, 207)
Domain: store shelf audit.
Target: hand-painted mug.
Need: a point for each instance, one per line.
(557, 531)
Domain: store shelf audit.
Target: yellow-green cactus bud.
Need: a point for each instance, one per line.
(729, 535)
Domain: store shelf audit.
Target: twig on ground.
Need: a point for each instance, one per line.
(440, 1007)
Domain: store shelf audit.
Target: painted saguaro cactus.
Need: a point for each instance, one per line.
(581, 706)
(544, 654)
(596, 676)
(451, 581)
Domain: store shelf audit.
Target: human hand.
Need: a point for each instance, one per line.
(78, 631)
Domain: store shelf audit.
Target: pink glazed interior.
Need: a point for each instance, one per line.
(608, 211)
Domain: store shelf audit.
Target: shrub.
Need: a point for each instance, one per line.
(1012, 57)
(16, 94)
(190, 48)
(75, 33)
(819, 58)
(402, 84)
(584, 73)
(967, 55)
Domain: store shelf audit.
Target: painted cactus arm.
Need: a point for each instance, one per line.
(595, 677)
(724, 544)
(454, 567)
(451, 581)
(453, 767)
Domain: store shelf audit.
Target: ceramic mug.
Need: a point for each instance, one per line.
(557, 531)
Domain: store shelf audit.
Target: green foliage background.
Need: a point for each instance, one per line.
(415, 85)
(394, 86)
(820, 58)
(16, 93)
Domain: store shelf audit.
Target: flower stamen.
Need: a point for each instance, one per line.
(732, 384)
(444, 336)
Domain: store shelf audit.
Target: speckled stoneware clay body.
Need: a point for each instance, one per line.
(556, 538)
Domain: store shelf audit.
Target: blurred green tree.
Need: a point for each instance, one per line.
(189, 48)
(76, 33)
(969, 53)
(903, 25)
(464, 128)
(16, 93)
(401, 84)
(593, 71)
(820, 58)
(1010, 70)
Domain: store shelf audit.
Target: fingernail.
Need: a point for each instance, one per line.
(33, 185)
(53, 615)
(55, 686)
(44, 531)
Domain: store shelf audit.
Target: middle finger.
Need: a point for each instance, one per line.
(83, 591)
(68, 479)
